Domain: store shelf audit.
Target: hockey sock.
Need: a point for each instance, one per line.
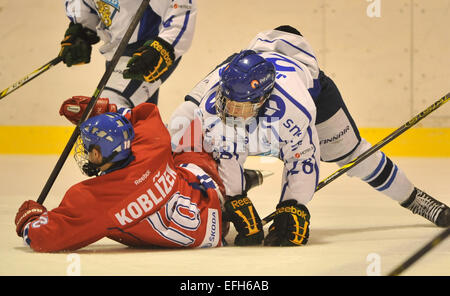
(380, 172)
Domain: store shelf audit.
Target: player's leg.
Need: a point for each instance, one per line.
(341, 142)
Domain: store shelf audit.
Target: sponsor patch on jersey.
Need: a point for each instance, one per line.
(308, 151)
(184, 6)
(212, 234)
(106, 10)
(113, 3)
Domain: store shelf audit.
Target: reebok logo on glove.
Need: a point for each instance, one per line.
(150, 61)
(164, 53)
(240, 202)
(292, 210)
(240, 211)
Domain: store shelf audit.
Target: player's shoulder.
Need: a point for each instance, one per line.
(282, 62)
(289, 111)
(208, 101)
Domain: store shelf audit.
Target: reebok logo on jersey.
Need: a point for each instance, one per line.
(143, 178)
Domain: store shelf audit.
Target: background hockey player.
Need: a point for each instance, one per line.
(141, 196)
(163, 35)
(272, 99)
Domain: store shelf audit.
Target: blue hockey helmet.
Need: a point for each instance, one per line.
(245, 84)
(111, 133)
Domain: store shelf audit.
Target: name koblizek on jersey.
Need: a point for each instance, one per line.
(144, 203)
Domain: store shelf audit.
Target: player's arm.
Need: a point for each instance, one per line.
(158, 55)
(300, 176)
(79, 12)
(72, 225)
(178, 25)
(74, 107)
(188, 120)
(239, 209)
(76, 46)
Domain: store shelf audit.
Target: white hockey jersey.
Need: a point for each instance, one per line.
(173, 21)
(285, 127)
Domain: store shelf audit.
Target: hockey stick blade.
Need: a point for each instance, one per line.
(375, 147)
(109, 70)
(29, 77)
(420, 253)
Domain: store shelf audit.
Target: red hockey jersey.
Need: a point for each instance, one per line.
(150, 202)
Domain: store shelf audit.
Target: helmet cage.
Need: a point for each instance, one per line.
(80, 154)
(226, 107)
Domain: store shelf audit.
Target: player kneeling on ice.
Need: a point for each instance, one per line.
(142, 195)
(272, 99)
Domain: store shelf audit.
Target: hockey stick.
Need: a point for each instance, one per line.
(29, 77)
(425, 249)
(109, 70)
(375, 148)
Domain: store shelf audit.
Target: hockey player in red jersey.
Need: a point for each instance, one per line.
(142, 195)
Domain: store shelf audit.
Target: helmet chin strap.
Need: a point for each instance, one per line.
(93, 169)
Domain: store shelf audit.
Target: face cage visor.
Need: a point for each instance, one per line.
(233, 110)
(81, 156)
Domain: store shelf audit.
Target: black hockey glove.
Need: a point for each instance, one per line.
(290, 226)
(150, 61)
(76, 46)
(241, 212)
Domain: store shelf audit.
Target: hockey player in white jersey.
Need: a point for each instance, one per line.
(162, 36)
(272, 99)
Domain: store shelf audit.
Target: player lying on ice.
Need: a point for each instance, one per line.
(142, 195)
(272, 99)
